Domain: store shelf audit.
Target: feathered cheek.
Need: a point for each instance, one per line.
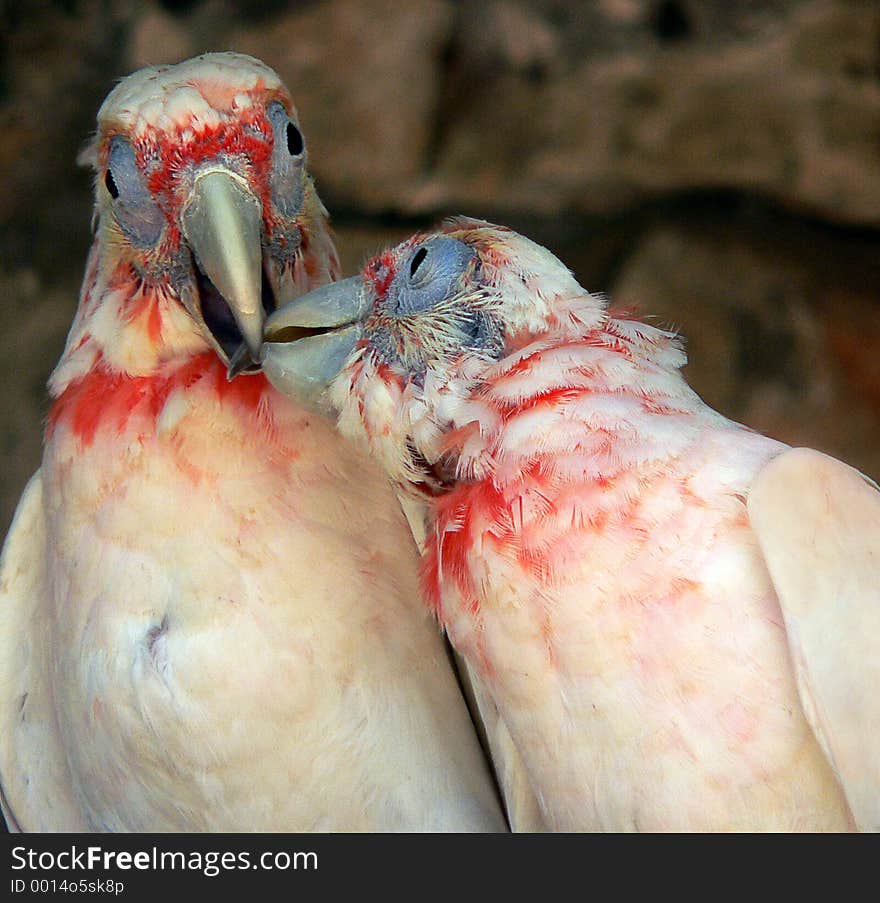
(382, 406)
(387, 423)
(366, 402)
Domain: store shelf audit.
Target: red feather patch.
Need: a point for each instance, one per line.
(108, 399)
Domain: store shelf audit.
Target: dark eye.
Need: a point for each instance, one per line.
(416, 262)
(295, 143)
(110, 182)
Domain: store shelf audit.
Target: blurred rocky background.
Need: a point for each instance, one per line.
(716, 164)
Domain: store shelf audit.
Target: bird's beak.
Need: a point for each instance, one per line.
(307, 342)
(222, 223)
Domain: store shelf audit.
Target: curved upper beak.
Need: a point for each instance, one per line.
(222, 222)
(307, 342)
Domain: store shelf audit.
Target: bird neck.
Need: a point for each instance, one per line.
(561, 432)
(108, 399)
(130, 348)
(131, 324)
(582, 402)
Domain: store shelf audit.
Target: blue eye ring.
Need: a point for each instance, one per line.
(134, 207)
(431, 273)
(288, 160)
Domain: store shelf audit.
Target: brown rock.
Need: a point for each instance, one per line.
(789, 110)
(358, 243)
(33, 325)
(157, 37)
(365, 78)
(770, 343)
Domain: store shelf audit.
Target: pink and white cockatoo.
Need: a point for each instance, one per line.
(674, 619)
(209, 611)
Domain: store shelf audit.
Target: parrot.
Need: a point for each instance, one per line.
(210, 614)
(671, 620)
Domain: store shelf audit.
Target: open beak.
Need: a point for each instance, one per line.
(222, 223)
(307, 342)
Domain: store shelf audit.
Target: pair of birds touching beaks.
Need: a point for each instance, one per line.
(215, 615)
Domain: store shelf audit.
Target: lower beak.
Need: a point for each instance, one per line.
(308, 341)
(222, 222)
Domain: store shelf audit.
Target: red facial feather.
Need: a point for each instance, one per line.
(145, 306)
(380, 271)
(228, 140)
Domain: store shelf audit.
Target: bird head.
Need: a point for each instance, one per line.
(206, 217)
(398, 353)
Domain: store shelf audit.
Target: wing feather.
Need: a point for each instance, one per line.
(37, 793)
(818, 524)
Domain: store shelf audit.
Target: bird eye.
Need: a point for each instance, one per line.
(295, 144)
(135, 209)
(416, 261)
